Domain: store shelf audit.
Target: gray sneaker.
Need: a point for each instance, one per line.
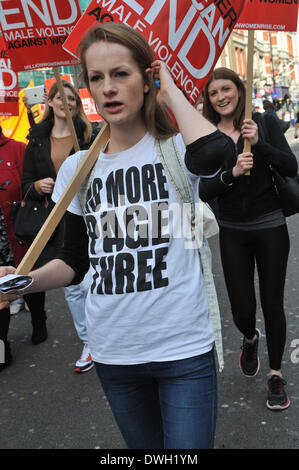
(249, 361)
(277, 397)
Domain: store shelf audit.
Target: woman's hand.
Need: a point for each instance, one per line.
(27, 105)
(244, 164)
(5, 299)
(46, 185)
(249, 131)
(159, 71)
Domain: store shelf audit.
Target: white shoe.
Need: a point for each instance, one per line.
(85, 362)
(16, 307)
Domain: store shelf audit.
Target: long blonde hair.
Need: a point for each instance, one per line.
(156, 117)
(49, 114)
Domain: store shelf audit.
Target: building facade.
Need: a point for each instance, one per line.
(275, 62)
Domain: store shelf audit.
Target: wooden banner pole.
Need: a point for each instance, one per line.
(249, 83)
(61, 206)
(66, 109)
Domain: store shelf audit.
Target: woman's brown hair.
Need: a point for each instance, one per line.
(48, 114)
(208, 110)
(155, 116)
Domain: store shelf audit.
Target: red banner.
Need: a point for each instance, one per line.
(188, 35)
(89, 106)
(266, 15)
(34, 31)
(9, 96)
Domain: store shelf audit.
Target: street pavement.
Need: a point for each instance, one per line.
(45, 405)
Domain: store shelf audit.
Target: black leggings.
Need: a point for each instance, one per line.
(269, 249)
(36, 304)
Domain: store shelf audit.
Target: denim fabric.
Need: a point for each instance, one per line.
(164, 405)
(75, 296)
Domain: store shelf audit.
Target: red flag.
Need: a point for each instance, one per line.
(264, 15)
(34, 31)
(188, 35)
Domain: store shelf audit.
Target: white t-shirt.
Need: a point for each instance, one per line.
(147, 301)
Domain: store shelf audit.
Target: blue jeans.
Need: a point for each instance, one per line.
(75, 295)
(164, 405)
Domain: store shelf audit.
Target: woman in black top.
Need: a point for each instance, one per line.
(50, 143)
(252, 226)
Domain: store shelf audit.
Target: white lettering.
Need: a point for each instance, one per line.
(154, 11)
(12, 76)
(175, 36)
(11, 11)
(219, 28)
(198, 6)
(182, 55)
(119, 11)
(153, 41)
(43, 15)
(134, 5)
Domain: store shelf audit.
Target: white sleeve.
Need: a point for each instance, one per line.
(64, 176)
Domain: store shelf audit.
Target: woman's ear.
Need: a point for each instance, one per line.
(150, 73)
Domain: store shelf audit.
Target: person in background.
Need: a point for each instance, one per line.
(11, 251)
(296, 125)
(19, 304)
(253, 229)
(50, 143)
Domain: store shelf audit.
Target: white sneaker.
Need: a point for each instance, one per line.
(85, 362)
(16, 307)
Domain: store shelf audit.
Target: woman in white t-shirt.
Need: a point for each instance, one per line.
(148, 321)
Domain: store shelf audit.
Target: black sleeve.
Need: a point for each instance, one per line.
(29, 174)
(276, 150)
(74, 251)
(210, 188)
(207, 154)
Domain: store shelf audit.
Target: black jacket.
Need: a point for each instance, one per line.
(38, 165)
(247, 197)
(37, 161)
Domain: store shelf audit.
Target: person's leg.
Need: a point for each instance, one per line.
(188, 398)
(272, 257)
(4, 326)
(36, 305)
(75, 297)
(238, 263)
(134, 400)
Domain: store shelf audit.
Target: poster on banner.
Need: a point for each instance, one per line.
(9, 96)
(269, 15)
(50, 81)
(188, 35)
(34, 31)
(17, 127)
(89, 106)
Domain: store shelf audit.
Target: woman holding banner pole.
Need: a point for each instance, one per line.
(50, 143)
(252, 225)
(150, 327)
